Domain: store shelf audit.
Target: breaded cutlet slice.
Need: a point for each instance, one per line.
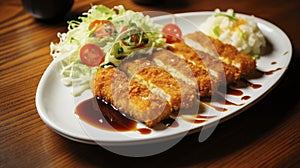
(195, 75)
(160, 81)
(150, 107)
(130, 96)
(212, 64)
(210, 72)
(229, 55)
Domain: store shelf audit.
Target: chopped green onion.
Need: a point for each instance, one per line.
(241, 33)
(216, 31)
(120, 50)
(255, 56)
(228, 16)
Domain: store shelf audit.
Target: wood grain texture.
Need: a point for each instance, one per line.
(266, 135)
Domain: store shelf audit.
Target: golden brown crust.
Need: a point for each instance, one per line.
(160, 81)
(191, 67)
(243, 63)
(246, 64)
(130, 97)
(200, 65)
(149, 107)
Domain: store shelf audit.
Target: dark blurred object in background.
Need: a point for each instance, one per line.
(147, 2)
(164, 4)
(48, 9)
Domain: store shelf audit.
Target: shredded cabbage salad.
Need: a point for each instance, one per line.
(73, 71)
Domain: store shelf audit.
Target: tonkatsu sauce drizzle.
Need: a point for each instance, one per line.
(253, 85)
(272, 71)
(220, 109)
(245, 97)
(196, 119)
(103, 115)
(234, 92)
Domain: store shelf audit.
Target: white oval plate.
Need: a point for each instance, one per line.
(56, 105)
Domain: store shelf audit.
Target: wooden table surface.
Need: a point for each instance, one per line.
(265, 135)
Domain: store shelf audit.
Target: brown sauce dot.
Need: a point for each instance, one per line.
(245, 97)
(272, 71)
(273, 63)
(144, 130)
(234, 92)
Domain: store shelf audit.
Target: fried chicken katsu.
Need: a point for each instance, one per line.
(149, 87)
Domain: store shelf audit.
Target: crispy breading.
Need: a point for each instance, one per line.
(159, 80)
(231, 56)
(193, 73)
(214, 69)
(130, 96)
(150, 107)
(227, 53)
(207, 70)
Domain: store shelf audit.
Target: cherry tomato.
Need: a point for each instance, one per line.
(91, 55)
(101, 28)
(135, 37)
(172, 33)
